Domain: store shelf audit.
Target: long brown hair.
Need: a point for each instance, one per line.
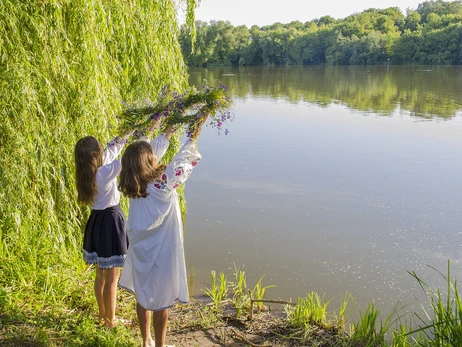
(139, 167)
(88, 155)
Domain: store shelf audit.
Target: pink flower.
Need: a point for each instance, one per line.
(194, 163)
(176, 186)
(178, 172)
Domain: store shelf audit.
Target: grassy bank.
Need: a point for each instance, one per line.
(236, 314)
(312, 322)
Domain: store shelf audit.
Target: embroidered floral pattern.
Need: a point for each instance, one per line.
(162, 183)
(117, 141)
(178, 174)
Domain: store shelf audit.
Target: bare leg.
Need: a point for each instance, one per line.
(111, 276)
(144, 320)
(98, 287)
(160, 326)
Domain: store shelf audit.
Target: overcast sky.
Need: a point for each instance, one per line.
(263, 12)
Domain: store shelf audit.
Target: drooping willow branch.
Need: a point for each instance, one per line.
(173, 108)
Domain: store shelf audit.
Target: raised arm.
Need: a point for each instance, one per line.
(198, 128)
(114, 147)
(168, 131)
(155, 124)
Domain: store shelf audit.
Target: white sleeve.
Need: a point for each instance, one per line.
(160, 146)
(111, 170)
(183, 163)
(113, 149)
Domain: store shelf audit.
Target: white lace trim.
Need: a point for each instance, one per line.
(104, 263)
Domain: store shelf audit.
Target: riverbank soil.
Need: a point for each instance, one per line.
(195, 325)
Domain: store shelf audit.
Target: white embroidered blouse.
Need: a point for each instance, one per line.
(106, 176)
(155, 269)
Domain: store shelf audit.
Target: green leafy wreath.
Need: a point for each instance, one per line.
(185, 109)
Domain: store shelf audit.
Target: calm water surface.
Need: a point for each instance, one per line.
(334, 180)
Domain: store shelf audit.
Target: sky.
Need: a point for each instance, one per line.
(264, 12)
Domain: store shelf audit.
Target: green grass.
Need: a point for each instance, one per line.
(218, 291)
(240, 298)
(441, 325)
(311, 309)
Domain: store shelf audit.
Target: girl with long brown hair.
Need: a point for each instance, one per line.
(105, 239)
(155, 269)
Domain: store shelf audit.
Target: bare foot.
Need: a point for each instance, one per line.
(109, 325)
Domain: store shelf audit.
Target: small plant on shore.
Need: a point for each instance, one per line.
(442, 326)
(344, 312)
(401, 337)
(370, 331)
(258, 293)
(240, 299)
(310, 309)
(219, 290)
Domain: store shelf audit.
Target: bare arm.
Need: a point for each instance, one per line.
(127, 134)
(154, 126)
(198, 128)
(168, 131)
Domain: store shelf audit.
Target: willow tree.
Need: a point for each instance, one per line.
(66, 68)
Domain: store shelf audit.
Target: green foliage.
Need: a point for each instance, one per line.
(236, 292)
(219, 290)
(442, 326)
(344, 311)
(311, 309)
(240, 298)
(401, 337)
(184, 109)
(258, 293)
(370, 331)
(65, 68)
(366, 38)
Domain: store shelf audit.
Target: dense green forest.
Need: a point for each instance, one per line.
(430, 34)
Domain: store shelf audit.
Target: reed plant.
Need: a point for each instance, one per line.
(401, 337)
(219, 289)
(311, 309)
(441, 325)
(344, 310)
(240, 297)
(258, 293)
(370, 330)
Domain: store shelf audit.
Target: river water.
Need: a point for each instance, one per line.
(331, 179)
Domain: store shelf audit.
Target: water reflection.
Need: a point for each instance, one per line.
(423, 91)
(317, 196)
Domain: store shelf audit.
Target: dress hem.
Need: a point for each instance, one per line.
(157, 309)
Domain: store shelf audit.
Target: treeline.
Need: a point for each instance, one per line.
(429, 35)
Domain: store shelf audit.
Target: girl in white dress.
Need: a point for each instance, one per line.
(155, 269)
(105, 238)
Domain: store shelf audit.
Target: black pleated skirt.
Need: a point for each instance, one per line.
(105, 241)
